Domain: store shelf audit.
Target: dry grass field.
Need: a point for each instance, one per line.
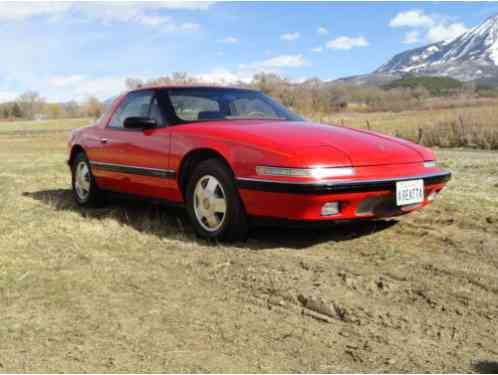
(128, 287)
(470, 127)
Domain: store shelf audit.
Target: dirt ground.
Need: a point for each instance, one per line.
(129, 288)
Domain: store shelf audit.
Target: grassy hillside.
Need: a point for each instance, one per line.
(128, 287)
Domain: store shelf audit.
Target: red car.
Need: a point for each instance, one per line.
(230, 154)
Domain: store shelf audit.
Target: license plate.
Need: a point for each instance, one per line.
(409, 192)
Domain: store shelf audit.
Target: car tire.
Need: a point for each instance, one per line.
(85, 191)
(213, 203)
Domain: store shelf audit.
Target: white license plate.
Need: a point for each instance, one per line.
(409, 192)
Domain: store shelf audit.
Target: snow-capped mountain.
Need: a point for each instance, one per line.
(471, 56)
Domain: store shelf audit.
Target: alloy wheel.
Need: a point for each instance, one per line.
(82, 181)
(210, 204)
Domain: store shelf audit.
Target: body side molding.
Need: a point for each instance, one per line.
(142, 171)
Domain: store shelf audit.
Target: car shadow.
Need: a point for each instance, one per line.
(486, 367)
(172, 222)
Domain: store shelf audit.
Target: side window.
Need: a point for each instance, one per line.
(135, 105)
(251, 106)
(191, 108)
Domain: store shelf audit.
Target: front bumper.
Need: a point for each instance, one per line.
(367, 198)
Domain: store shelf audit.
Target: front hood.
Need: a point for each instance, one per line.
(298, 138)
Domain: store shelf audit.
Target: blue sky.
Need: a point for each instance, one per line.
(72, 50)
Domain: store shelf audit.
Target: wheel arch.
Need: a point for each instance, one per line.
(75, 150)
(194, 157)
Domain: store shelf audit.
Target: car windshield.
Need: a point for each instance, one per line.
(206, 104)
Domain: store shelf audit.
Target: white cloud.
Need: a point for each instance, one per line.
(17, 11)
(62, 81)
(228, 40)
(411, 18)
(7, 96)
(317, 49)
(79, 87)
(223, 76)
(185, 5)
(273, 65)
(220, 53)
(346, 42)
(446, 32)
(154, 20)
(411, 37)
(244, 73)
(290, 36)
(167, 24)
(285, 61)
(322, 31)
(299, 80)
(189, 26)
(436, 27)
(145, 13)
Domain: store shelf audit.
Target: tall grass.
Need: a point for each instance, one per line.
(471, 127)
(463, 132)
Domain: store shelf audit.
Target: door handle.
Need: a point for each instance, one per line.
(104, 140)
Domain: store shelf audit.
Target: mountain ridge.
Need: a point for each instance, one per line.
(472, 56)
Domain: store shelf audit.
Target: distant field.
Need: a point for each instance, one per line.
(128, 287)
(475, 127)
(39, 126)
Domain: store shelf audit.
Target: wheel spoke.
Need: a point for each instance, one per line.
(210, 204)
(85, 184)
(219, 205)
(82, 181)
(211, 186)
(212, 220)
(199, 193)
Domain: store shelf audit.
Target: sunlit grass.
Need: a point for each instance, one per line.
(129, 288)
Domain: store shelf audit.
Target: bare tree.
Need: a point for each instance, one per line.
(92, 107)
(30, 104)
(72, 109)
(134, 83)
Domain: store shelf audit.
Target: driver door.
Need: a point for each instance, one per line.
(135, 160)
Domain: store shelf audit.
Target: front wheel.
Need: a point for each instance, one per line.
(213, 203)
(85, 190)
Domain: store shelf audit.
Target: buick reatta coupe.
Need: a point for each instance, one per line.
(231, 155)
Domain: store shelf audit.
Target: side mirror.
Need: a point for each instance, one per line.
(139, 123)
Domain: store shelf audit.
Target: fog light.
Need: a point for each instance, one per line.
(330, 208)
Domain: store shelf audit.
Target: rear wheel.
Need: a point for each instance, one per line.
(85, 190)
(213, 203)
